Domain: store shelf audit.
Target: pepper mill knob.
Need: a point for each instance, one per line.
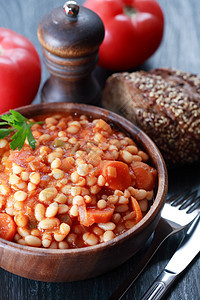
(70, 37)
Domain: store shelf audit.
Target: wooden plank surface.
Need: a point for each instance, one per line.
(180, 49)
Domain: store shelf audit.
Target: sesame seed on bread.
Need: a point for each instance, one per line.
(165, 103)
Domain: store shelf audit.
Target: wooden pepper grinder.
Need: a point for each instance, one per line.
(70, 37)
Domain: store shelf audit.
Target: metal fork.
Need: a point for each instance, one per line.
(177, 214)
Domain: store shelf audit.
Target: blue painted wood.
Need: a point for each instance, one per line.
(180, 49)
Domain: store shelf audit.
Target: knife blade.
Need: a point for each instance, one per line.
(188, 248)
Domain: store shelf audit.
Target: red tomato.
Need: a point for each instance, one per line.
(133, 31)
(20, 70)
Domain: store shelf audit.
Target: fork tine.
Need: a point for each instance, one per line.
(194, 206)
(177, 199)
(188, 200)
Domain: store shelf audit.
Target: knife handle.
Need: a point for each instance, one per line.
(160, 286)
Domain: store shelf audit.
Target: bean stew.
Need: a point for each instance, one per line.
(84, 184)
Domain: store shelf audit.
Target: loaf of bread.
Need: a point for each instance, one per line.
(164, 103)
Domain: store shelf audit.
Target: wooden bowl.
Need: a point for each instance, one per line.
(57, 265)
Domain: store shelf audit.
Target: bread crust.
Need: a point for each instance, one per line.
(165, 103)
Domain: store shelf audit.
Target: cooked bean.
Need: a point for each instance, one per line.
(90, 238)
(75, 190)
(123, 200)
(62, 133)
(121, 208)
(18, 205)
(127, 194)
(48, 194)
(4, 190)
(23, 231)
(56, 163)
(63, 245)
(73, 129)
(17, 237)
(21, 185)
(35, 178)
(143, 205)
(143, 155)
(97, 230)
(99, 138)
(58, 174)
(138, 194)
(149, 195)
(129, 216)
(13, 179)
(101, 204)
(74, 210)
(61, 198)
(81, 182)
(62, 209)
(108, 235)
(51, 121)
(95, 189)
(101, 180)
(129, 224)
(91, 180)
(71, 238)
(74, 177)
(22, 242)
(137, 158)
(20, 196)
(116, 218)
(64, 228)
(3, 143)
(25, 176)
(113, 199)
(132, 149)
(49, 223)
(39, 212)
(21, 219)
(59, 237)
(88, 199)
(53, 156)
(46, 243)
(35, 232)
(126, 156)
(17, 169)
(78, 200)
(83, 170)
(107, 226)
(52, 210)
(31, 187)
(33, 241)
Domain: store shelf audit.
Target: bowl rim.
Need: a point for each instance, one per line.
(40, 109)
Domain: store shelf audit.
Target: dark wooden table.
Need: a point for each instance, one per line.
(180, 49)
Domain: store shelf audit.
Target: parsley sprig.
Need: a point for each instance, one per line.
(17, 123)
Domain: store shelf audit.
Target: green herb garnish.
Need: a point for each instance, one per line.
(22, 126)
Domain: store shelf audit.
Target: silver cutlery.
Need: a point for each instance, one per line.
(177, 214)
(186, 252)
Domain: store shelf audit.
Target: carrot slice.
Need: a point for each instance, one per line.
(137, 210)
(7, 227)
(94, 215)
(145, 175)
(101, 216)
(117, 175)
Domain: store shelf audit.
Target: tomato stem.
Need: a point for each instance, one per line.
(1, 50)
(130, 11)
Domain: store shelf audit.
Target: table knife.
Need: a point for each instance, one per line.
(188, 248)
